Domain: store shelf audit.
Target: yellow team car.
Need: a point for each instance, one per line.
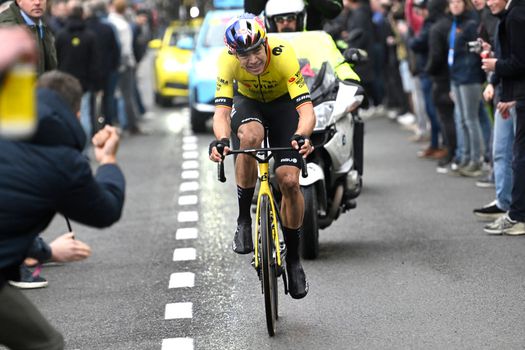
(172, 62)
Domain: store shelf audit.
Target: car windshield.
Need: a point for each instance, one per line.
(215, 34)
(178, 36)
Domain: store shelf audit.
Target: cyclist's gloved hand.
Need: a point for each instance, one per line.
(302, 143)
(218, 148)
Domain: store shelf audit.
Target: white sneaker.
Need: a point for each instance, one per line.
(406, 119)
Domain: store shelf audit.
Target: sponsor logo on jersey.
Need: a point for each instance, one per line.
(289, 160)
(277, 50)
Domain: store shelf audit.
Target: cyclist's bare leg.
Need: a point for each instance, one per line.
(292, 205)
(250, 135)
(292, 212)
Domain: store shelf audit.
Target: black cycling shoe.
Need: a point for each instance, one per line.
(242, 241)
(297, 284)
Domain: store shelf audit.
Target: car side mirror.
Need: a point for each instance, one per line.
(355, 56)
(155, 44)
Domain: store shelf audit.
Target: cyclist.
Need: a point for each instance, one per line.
(271, 91)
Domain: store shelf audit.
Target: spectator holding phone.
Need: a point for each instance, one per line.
(41, 177)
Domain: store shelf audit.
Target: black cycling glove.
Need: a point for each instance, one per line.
(224, 142)
(300, 139)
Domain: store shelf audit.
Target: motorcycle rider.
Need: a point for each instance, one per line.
(270, 91)
(285, 16)
(318, 11)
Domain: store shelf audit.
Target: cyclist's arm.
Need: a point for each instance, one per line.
(306, 123)
(221, 122)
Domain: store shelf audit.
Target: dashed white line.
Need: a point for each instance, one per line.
(190, 155)
(178, 310)
(190, 164)
(184, 254)
(188, 200)
(186, 233)
(189, 186)
(177, 344)
(189, 147)
(182, 280)
(189, 139)
(188, 216)
(190, 174)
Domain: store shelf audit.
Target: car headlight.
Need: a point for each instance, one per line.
(323, 112)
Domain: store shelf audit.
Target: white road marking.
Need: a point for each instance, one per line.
(184, 254)
(188, 216)
(190, 174)
(190, 155)
(182, 280)
(189, 139)
(178, 310)
(189, 186)
(186, 233)
(190, 164)
(177, 344)
(189, 146)
(188, 200)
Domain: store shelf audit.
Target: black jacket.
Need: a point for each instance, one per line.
(467, 65)
(437, 66)
(77, 53)
(108, 49)
(511, 66)
(49, 175)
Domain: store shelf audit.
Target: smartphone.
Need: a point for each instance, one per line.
(18, 118)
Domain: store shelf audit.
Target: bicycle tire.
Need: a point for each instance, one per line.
(269, 278)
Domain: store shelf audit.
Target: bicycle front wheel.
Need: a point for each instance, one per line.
(269, 278)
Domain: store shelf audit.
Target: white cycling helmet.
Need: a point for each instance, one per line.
(284, 7)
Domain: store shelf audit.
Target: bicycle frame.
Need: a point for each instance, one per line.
(264, 189)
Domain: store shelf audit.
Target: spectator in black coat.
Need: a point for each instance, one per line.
(108, 49)
(437, 68)
(43, 176)
(77, 55)
(510, 67)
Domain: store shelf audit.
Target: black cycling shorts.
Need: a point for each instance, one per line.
(279, 115)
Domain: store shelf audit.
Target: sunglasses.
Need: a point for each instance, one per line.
(288, 18)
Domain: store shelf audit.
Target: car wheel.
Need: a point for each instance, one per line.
(163, 101)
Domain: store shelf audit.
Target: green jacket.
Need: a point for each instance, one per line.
(47, 55)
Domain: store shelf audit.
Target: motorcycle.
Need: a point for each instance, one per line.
(335, 167)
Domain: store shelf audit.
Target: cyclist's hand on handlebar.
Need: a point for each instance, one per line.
(215, 148)
(303, 144)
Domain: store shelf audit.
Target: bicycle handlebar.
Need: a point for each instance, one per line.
(253, 152)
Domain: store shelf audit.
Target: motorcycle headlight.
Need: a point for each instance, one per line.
(323, 112)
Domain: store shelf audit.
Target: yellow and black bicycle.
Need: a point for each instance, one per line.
(269, 248)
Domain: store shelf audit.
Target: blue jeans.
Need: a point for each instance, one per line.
(517, 206)
(486, 129)
(502, 157)
(85, 115)
(435, 127)
(467, 99)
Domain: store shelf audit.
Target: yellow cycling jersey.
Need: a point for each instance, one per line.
(282, 75)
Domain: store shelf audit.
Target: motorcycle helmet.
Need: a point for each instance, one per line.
(244, 33)
(280, 8)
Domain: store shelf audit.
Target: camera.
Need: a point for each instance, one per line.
(475, 46)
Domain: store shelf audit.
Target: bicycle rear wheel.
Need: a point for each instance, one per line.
(269, 278)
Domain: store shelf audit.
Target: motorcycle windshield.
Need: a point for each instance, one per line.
(320, 81)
